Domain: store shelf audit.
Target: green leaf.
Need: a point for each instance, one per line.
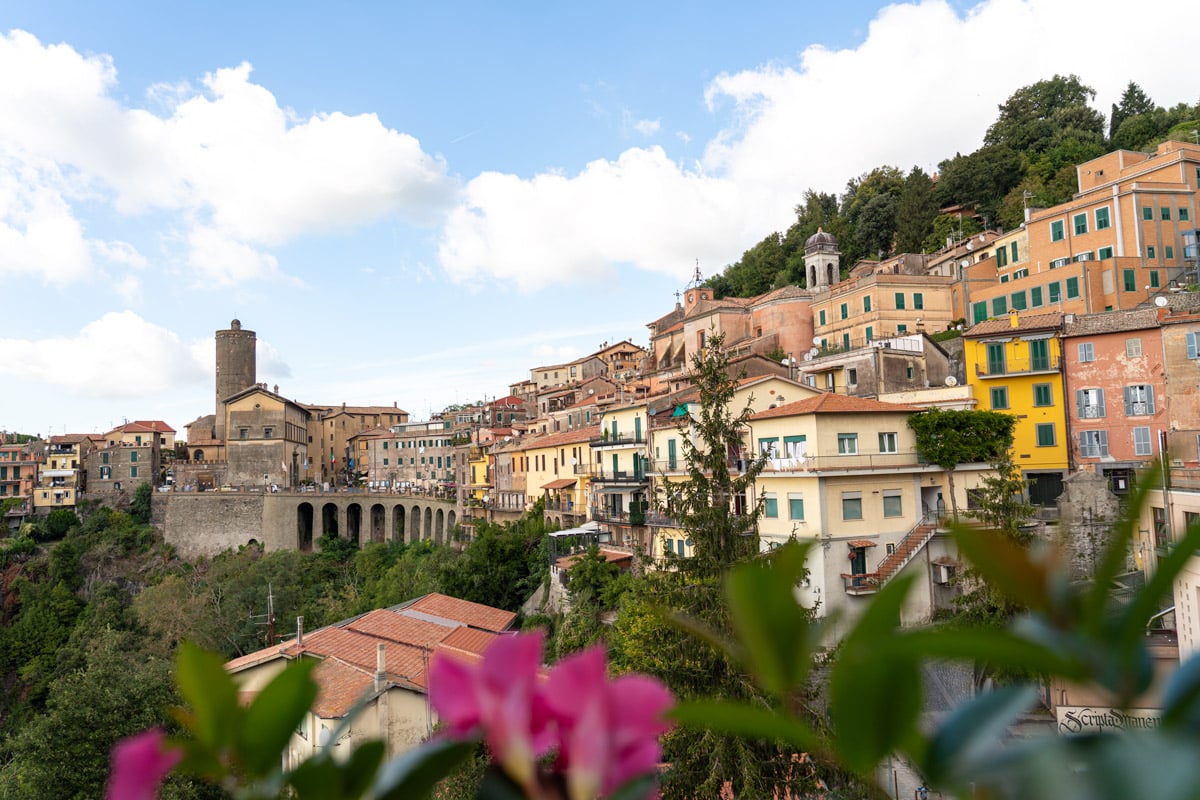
(1006, 565)
(359, 770)
(741, 719)
(496, 785)
(212, 695)
(998, 648)
(1181, 699)
(971, 730)
(273, 716)
(769, 622)
(638, 788)
(316, 778)
(414, 774)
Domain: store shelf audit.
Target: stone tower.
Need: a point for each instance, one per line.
(236, 367)
(822, 261)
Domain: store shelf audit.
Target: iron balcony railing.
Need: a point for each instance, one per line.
(622, 439)
(1017, 366)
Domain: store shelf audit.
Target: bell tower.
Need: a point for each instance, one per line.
(236, 367)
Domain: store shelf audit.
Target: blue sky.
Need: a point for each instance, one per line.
(417, 203)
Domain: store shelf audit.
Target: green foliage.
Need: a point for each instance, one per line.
(337, 548)
(950, 438)
(916, 209)
(1134, 102)
(949, 227)
(59, 522)
(139, 509)
(502, 566)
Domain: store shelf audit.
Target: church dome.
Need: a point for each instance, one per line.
(820, 241)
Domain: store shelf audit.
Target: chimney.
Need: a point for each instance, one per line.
(1014, 319)
(380, 672)
(276, 388)
(300, 631)
(343, 405)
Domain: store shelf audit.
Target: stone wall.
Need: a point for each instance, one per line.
(1087, 512)
(207, 523)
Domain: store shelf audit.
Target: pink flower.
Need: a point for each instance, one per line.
(608, 731)
(499, 697)
(139, 765)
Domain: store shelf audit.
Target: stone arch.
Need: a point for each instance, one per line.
(378, 518)
(832, 280)
(398, 524)
(354, 522)
(414, 517)
(440, 526)
(304, 527)
(427, 526)
(812, 277)
(198, 455)
(451, 520)
(329, 520)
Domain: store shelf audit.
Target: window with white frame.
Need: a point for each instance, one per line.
(852, 505)
(795, 506)
(892, 504)
(1086, 352)
(1139, 400)
(1093, 444)
(889, 442)
(1142, 443)
(847, 444)
(1193, 345)
(795, 446)
(769, 447)
(1090, 403)
(770, 505)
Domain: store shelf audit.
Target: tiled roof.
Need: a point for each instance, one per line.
(563, 437)
(468, 640)
(1112, 322)
(1025, 323)
(476, 615)
(70, 438)
(383, 623)
(154, 425)
(339, 687)
(830, 403)
(611, 556)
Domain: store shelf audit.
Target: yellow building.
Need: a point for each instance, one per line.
(558, 471)
(65, 473)
(620, 474)
(844, 472)
(1014, 366)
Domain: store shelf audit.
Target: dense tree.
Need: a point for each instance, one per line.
(950, 228)
(979, 180)
(951, 438)
(1038, 115)
(139, 509)
(916, 209)
(502, 566)
(869, 208)
(1133, 102)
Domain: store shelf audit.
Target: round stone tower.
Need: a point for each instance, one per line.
(236, 367)
(822, 261)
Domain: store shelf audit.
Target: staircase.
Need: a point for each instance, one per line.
(906, 548)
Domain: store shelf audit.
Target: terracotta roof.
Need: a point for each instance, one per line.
(561, 483)
(509, 401)
(468, 640)
(1112, 322)
(475, 615)
(1025, 323)
(154, 425)
(563, 437)
(830, 403)
(862, 543)
(611, 556)
(339, 687)
(70, 438)
(383, 623)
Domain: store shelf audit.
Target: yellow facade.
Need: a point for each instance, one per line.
(1014, 367)
(558, 466)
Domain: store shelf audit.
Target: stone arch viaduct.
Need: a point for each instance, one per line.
(208, 523)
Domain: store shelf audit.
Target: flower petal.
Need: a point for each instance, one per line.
(140, 763)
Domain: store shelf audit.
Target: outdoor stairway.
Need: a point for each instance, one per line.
(906, 548)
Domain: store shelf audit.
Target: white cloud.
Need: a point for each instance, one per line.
(119, 355)
(897, 98)
(223, 261)
(225, 156)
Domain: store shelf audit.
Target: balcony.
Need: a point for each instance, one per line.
(861, 583)
(841, 463)
(634, 477)
(622, 439)
(997, 368)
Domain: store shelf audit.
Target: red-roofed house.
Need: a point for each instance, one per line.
(380, 660)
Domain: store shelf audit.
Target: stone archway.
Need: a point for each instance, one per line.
(329, 519)
(451, 521)
(427, 526)
(440, 526)
(378, 528)
(414, 517)
(354, 522)
(398, 524)
(304, 527)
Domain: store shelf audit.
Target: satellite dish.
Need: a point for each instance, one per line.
(1161, 301)
(574, 462)
(814, 351)
(817, 341)
(808, 356)
(951, 380)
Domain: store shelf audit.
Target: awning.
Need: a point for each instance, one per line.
(616, 490)
(861, 543)
(561, 483)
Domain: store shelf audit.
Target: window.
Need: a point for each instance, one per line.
(1142, 445)
(1133, 348)
(243, 433)
(1035, 297)
(770, 506)
(385, 444)
(1102, 220)
(1183, 214)
(1018, 301)
(901, 329)
(999, 306)
(1086, 352)
(852, 505)
(892, 505)
(133, 472)
(1023, 272)
(1059, 262)
(852, 376)
(845, 341)
(1005, 278)
(899, 300)
(1012, 255)
(866, 303)
(1193, 345)
(1104, 252)
(822, 316)
(267, 432)
(1072, 288)
(103, 459)
(1153, 279)
(1169, 252)
(105, 473)
(995, 358)
(1093, 444)
(1130, 279)
(1056, 231)
(845, 310)
(847, 444)
(1079, 221)
(1001, 257)
(908, 372)
(1045, 434)
(1054, 292)
(888, 442)
(1043, 394)
(1090, 403)
(1139, 400)
(918, 300)
(999, 397)
(1165, 213)
(769, 447)
(795, 507)
(795, 446)
(870, 333)
(979, 312)
(1147, 213)
(1086, 255)
(385, 462)
(1150, 252)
